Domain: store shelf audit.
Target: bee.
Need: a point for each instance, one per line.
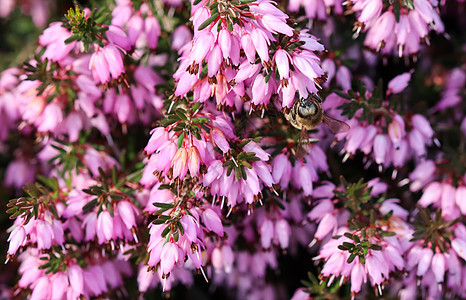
(307, 113)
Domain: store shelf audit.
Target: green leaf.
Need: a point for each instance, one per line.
(362, 260)
(89, 206)
(32, 190)
(181, 114)
(180, 140)
(348, 245)
(180, 227)
(116, 196)
(348, 235)
(166, 231)
(52, 183)
(109, 207)
(375, 247)
(343, 248)
(207, 22)
(163, 205)
(72, 38)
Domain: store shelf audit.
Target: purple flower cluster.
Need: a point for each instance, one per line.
(396, 28)
(221, 60)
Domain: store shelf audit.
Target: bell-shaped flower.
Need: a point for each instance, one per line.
(170, 257)
(179, 163)
(212, 221)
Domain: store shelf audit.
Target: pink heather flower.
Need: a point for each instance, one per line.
(266, 231)
(448, 201)
(75, 277)
(51, 117)
(16, 239)
(158, 137)
(59, 285)
(115, 61)
(53, 38)
(281, 170)
(7, 8)
(194, 161)
(355, 139)
(99, 67)
(399, 83)
(396, 130)
(421, 124)
(358, 277)
(387, 145)
(376, 267)
(20, 172)
(179, 163)
(106, 63)
(121, 13)
(442, 195)
(317, 9)
(328, 223)
(377, 187)
(381, 146)
(128, 213)
(392, 205)
(117, 36)
(134, 27)
(181, 36)
(438, 267)
(300, 294)
(424, 261)
(72, 125)
(343, 77)
(212, 221)
(370, 10)
(170, 257)
(104, 227)
(282, 233)
(228, 258)
(460, 198)
(220, 48)
(219, 140)
(400, 35)
(44, 235)
(94, 160)
(153, 31)
(422, 175)
(42, 289)
(432, 194)
(416, 141)
(217, 259)
(451, 93)
(190, 226)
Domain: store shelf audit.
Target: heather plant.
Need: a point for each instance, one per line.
(240, 149)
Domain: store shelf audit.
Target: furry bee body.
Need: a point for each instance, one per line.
(306, 113)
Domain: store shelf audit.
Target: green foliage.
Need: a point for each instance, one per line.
(89, 30)
(39, 197)
(57, 261)
(108, 193)
(434, 232)
(358, 248)
(321, 289)
(373, 108)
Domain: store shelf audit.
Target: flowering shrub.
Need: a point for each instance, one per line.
(227, 148)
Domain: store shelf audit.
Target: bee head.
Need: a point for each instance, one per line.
(307, 108)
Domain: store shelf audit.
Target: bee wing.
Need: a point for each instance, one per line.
(304, 146)
(336, 126)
